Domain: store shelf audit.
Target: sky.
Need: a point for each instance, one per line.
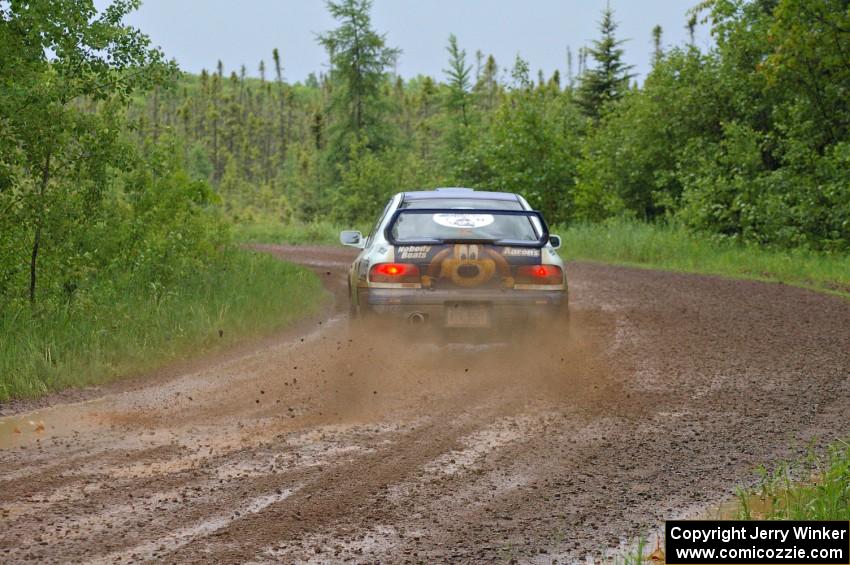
(197, 33)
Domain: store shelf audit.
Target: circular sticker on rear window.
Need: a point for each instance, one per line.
(468, 221)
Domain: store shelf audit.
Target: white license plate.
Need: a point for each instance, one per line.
(467, 315)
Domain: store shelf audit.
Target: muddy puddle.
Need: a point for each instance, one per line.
(58, 421)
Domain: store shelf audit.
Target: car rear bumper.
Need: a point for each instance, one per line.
(432, 306)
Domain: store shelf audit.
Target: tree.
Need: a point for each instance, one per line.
(630, 159)
(61, 59)
(692, 27)
(359, 60)
(520, 74)
(609, 80)
(458, 75)
(281, 95)
(811, 56)
(657, 50)
(534, 146)
(488, 84)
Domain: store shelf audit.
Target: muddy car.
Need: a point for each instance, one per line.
(458, 258)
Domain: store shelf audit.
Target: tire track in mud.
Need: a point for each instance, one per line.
(371, 446)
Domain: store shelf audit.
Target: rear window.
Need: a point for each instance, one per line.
(423, 226)
(473, 203)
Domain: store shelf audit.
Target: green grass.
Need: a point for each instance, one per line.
(671, 248)
(116, 331)
(780, 497)
(638, 556)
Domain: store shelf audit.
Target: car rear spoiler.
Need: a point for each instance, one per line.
(540, 227)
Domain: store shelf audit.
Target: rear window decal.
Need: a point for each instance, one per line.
(467, 221)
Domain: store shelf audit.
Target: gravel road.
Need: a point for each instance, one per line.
(325, 444)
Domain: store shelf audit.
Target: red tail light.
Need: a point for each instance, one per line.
(539, 274)
(394, 273)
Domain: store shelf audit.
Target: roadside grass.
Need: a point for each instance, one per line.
(814, 488)
(780, 494)
(123, 329)
(638, 556)
(674, 248)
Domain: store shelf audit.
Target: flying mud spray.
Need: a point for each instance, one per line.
(321, 438)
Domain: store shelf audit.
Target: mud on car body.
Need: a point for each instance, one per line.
(458, 258)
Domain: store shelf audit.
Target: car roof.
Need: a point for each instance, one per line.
(457, 192)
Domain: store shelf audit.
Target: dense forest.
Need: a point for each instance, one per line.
(746, 141)
(120, 176)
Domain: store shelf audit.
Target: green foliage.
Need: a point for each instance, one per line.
(369, 179)
(459, 133)
(163, 224)
(113, 252)
(487, 85)
(367, 182)
(783, 496)
(292, 233)
(609, 80)
(676, 248)
(810, 55)
(116, 327)
(359, 61)
(747, 141)
(533, 149)
(459, 83)
(61, 119)
(630, 160)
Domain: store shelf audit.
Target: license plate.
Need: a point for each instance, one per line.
(467, 315)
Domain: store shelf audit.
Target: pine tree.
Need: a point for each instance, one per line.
(657, 51)
(281, 95)
(521, 74)
(555, 81)
(359, 60)
(692, 27)
(426, 108)
(458, 75)
(213, 117)
(488, 84)
(609, 80)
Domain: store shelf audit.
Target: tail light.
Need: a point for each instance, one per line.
(539, 274)
(394, 273)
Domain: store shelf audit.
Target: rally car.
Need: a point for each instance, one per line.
(458, 258)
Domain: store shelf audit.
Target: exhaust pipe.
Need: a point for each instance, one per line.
(415, 319)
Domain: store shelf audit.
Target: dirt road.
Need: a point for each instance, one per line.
(328, 446)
